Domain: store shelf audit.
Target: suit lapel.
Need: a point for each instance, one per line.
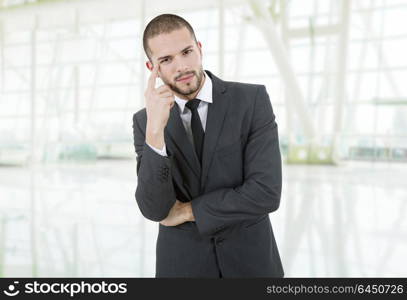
(214, 123)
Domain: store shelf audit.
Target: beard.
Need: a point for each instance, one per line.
(190, 87)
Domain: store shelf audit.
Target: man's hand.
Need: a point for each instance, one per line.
(159, 101)
(180, 212)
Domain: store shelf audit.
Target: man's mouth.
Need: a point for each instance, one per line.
(186, 78)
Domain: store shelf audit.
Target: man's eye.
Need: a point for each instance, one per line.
(164, 60)
(187, 51)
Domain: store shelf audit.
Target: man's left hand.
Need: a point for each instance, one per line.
(180, 212)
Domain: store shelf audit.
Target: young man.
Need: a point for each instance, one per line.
(209, 165)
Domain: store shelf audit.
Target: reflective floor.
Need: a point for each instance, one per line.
(82, 220)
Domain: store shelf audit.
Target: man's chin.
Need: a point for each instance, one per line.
(186, 92)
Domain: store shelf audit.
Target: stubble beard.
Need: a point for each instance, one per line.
(190, 88)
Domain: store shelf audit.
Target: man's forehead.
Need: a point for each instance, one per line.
(170, 43)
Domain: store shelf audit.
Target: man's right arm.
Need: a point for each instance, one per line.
(155, 193)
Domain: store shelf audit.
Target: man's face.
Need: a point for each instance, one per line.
(180, 61)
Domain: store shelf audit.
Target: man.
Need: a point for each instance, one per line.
(208, 163)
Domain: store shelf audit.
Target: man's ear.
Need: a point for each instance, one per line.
(149, 65)
(199, 44)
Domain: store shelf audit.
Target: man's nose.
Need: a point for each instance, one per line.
(180, 66)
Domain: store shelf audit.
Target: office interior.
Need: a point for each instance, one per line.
(72, 74)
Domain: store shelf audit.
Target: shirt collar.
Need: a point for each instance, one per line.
(205, 94)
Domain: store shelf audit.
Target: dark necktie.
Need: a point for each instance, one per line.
(196, 126)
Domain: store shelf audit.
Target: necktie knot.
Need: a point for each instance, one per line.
(193, 104)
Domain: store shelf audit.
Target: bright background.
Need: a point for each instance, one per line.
(72, 74)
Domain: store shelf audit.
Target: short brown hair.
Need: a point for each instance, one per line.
(164, 23)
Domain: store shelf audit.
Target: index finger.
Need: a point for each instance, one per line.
(153, 77)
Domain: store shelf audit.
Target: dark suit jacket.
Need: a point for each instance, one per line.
(238, 185)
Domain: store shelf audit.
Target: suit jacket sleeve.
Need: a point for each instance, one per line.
(155, 193)
(261, 189)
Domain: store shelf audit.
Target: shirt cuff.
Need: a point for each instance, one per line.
(162, 152)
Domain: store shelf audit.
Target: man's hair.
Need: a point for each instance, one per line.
(164, 23)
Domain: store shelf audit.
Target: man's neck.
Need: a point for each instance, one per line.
(193, 96)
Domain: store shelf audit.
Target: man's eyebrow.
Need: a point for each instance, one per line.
(186, 48)
(163, 57)
(169, 56)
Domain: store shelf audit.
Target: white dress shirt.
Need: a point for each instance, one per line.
(205, 95)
